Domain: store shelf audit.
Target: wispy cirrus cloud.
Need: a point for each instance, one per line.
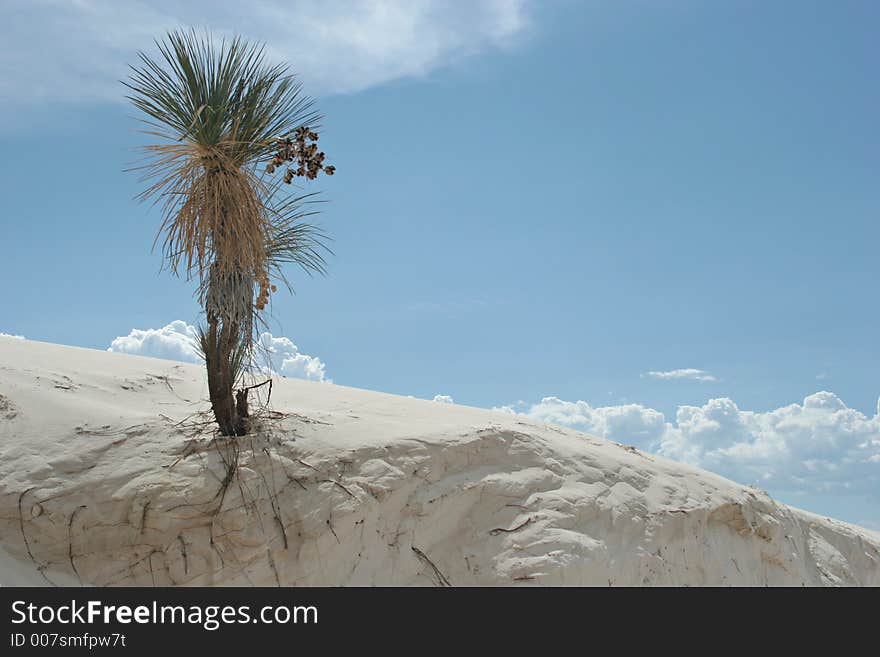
(686, 373)
(78, 50)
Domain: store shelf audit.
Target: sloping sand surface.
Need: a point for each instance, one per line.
(109, 475)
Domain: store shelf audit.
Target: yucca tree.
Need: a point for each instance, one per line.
(225, 121)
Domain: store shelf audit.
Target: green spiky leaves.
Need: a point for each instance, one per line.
(221, 113)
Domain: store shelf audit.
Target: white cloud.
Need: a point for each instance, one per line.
(283, 357)
(626, 423)
(10, 335)
(444, 399)
(56, 50)
(818, 446)
(687, 373)
(177, 341)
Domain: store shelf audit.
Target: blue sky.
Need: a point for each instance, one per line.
(533, 200)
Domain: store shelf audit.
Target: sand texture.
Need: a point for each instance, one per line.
(109, 475)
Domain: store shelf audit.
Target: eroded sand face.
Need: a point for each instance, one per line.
(107, 478)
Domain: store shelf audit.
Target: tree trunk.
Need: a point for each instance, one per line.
(221, 340)
(228, 305)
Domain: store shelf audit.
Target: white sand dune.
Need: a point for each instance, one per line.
(104, 481)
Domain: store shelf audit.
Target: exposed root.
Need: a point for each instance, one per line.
(183, 552)
(273, 495)
(441, 578)
(333, 531)
(144, 517)
(231, 470)
(70, 541)
(24, 538)
(332, 481)
(341, 485)
(27, 545)
(150, 561)
(164, 378)
(308, 465)
(296, 481)
(272, 564)
(501, 530)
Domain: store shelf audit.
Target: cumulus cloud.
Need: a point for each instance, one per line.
(687, 373)
(444, 399)
(626, 423)
(282, 356)
(77, 51)
(177, 341)
(818, 446)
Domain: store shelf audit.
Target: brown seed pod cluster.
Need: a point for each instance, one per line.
(306, 162)
(302, 151)
(265, 289)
